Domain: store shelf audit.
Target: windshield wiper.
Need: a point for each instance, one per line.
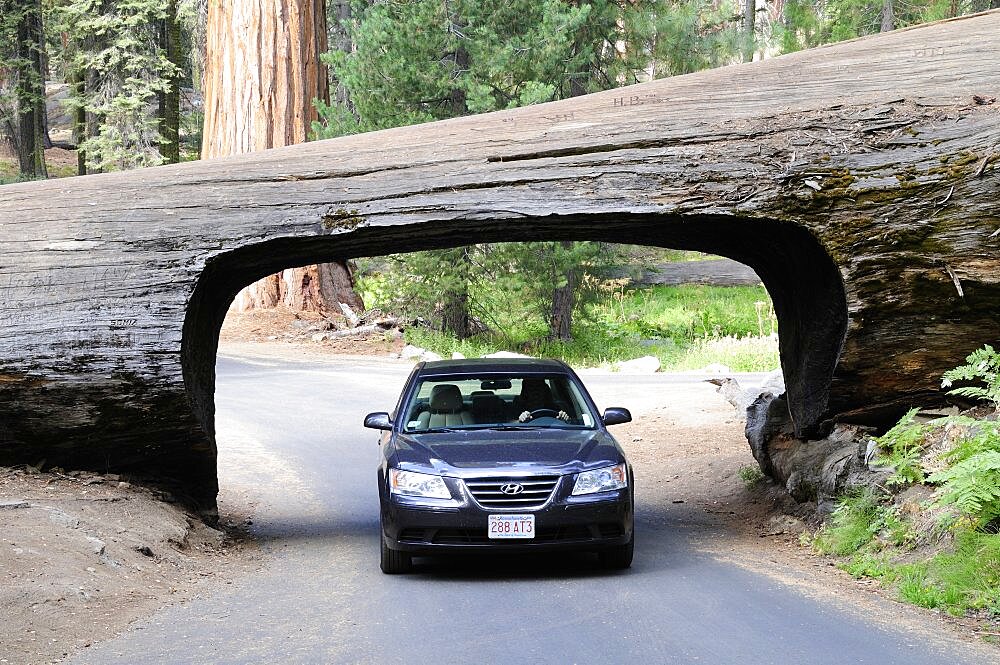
(507, 428)
(432, 430)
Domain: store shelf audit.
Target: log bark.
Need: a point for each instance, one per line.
(859, 195)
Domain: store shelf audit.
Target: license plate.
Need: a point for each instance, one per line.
(512, 526)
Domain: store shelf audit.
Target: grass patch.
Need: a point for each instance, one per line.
(686, 327)
(751, 475)
(965, 578)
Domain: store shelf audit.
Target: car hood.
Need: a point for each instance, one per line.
(488, 451)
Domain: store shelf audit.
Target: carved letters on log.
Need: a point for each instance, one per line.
(859, 180)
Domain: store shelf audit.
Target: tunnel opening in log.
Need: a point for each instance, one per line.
(804, 284)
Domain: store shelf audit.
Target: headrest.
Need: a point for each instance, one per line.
(535, 389)
(446, 397)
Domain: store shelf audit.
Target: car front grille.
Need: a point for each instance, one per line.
(535, 491)
(550, 534)
(577, 532)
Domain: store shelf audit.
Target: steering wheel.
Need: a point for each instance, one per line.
(542, 413)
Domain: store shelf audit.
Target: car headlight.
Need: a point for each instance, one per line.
(412, 483)
(601, 480)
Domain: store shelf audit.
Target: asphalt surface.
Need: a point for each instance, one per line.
(292, 431)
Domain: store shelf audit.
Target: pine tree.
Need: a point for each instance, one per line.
(22, 83)
(423, 60)
(118, 46)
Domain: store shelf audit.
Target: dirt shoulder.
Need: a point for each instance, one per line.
(82, 555)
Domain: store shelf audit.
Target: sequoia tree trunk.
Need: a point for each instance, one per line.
(262, 74)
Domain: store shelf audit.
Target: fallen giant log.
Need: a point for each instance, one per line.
(860, 181)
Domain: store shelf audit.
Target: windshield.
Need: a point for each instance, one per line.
(497, 401)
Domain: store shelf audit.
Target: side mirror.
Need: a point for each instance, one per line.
(378, 420)
(615, 415)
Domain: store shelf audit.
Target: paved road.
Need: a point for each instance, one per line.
(323, 599)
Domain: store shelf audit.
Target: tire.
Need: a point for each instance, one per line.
(393, 562)
(619, 557)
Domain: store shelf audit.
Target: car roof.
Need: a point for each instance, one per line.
(494, 365)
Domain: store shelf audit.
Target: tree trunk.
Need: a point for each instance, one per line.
(170, 99)
(563, 299)
(79, 84)
(31, 93)
(455, 315)
(262, 74)
(750, 28)
(340, 39)
(888, 16)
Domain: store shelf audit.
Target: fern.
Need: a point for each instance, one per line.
(972, 486)
(981, 365)
(903, 446)
(984, 437)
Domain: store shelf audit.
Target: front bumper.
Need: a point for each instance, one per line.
(589, 522)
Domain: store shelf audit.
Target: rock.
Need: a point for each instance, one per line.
(96, 545)
(411, 352)
(457, 356)
(144, 550)
(505, 354)
(63, 519)
(643, 365)
(734, 393)
(782, 524)
(318, 337)
(13, 504)
(774, 382)
(301, 325)
(430, 356)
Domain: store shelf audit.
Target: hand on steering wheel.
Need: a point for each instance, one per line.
(543, 413)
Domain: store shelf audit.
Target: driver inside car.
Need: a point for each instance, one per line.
(535, 395)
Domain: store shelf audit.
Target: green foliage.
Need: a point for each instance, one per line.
(751, 475)
(903, 446)
(600, 334)
(868, 564)
(690, 36)
(687, 312)
(805, 23)
(972, 486)
(981, 365)
(420, 60)
(965, 578)
(506, 286)
(860, 516)
(982, 436)
(117, 45)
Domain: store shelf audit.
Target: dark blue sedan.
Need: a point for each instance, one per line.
(501, 455)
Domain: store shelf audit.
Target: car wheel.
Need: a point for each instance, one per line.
(618, 558)
(393, 562)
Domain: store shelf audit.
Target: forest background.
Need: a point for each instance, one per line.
(133, 79)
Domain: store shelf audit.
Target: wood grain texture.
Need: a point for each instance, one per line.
(859, 180)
